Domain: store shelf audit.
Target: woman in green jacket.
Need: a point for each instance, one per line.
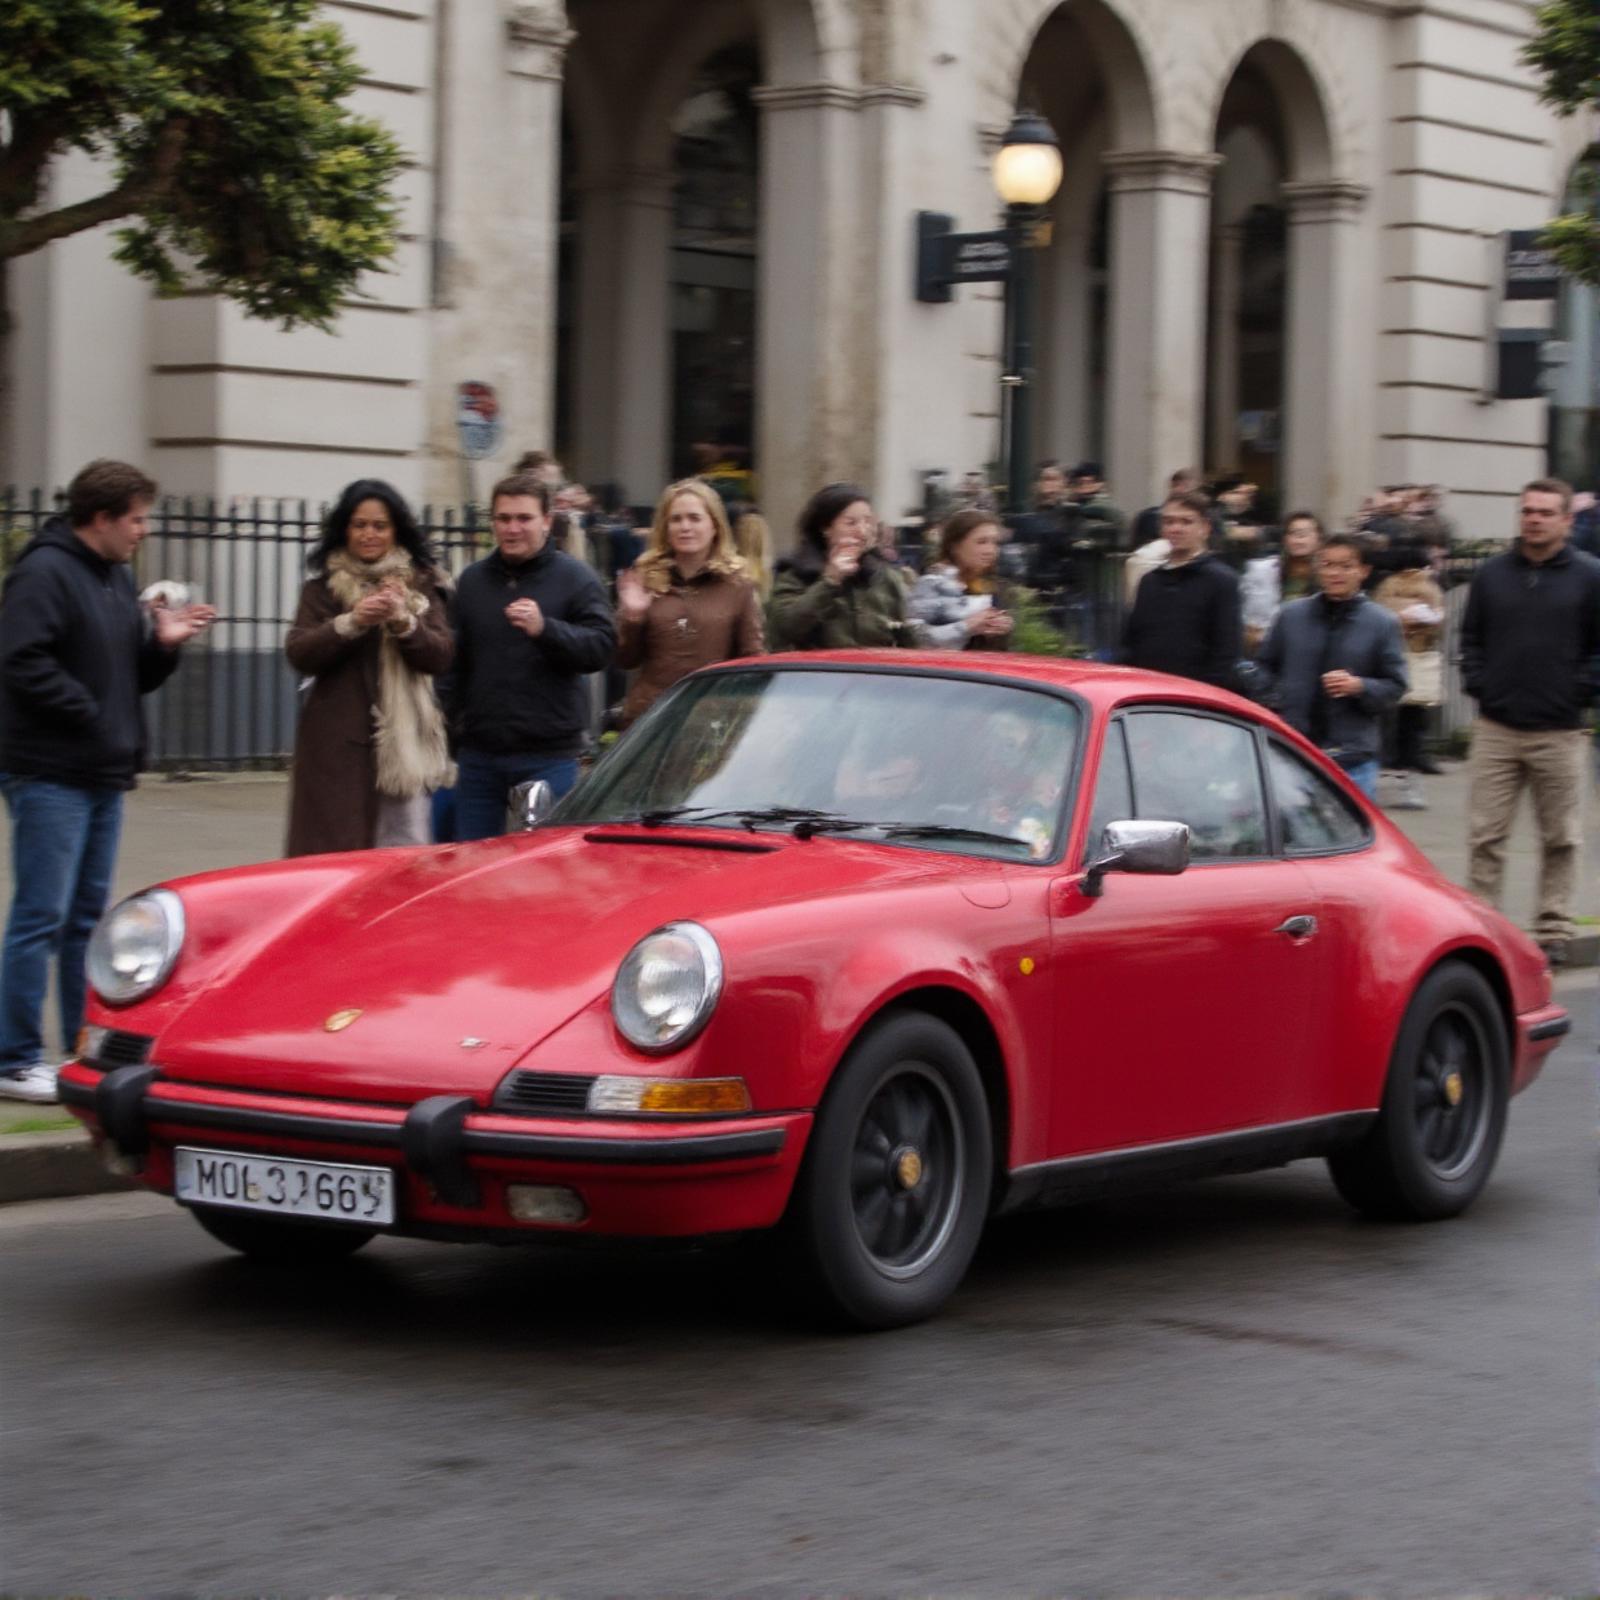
(836, 592)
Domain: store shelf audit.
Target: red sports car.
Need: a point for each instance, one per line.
(866, 945)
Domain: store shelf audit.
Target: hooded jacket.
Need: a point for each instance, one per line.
(76, 653)
(866, 611)
(512, 695)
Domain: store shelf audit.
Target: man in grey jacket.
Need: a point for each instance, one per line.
(1334, 662)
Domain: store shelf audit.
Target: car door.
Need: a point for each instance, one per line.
(1185, 1002)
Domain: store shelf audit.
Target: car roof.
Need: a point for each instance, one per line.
(1101, 684)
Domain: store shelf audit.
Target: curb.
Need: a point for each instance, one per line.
(56, 1166)
(52, 1166)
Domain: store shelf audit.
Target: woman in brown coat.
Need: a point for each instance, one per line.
(370, 633)
(688, 601)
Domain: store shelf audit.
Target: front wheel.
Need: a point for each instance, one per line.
(1444, 1106)
(895, 1187)
(280, 1242)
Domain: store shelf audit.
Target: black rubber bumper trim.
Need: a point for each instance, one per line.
(119, 1106)
(1555, 1028)
(525, 1146)
(431, 1142)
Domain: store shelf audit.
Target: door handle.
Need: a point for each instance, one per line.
(1301, 927)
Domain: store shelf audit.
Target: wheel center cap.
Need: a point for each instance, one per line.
(1452, 1089)
(907, 1167)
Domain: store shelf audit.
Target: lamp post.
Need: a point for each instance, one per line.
(1027, 174)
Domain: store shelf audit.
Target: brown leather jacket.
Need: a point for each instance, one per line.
(698, 621)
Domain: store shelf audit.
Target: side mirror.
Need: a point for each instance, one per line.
(531, 803)
(1157, 848)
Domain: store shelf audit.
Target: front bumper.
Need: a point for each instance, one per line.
(1538, 1033)
(453, 1161)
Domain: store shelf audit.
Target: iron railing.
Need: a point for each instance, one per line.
(234, 702)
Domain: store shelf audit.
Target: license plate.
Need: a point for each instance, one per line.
(288, 1188)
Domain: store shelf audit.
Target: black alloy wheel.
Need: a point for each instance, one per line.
(280, 1241)
(1444, 1106)
(895, 1187)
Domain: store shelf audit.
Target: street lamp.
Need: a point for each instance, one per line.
(1027, 174)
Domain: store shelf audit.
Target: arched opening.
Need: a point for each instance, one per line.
(1575, 396)
(1084, 73)
(716, 170)
(1247, 335)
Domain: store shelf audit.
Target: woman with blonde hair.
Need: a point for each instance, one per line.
(752, 537)
(688, 601)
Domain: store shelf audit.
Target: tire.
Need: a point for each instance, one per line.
(278, 1240)
(1444, 1106)
(895, 1187)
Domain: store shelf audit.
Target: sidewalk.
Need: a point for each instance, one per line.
(173, 829)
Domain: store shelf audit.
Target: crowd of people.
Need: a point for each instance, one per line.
(425, 700)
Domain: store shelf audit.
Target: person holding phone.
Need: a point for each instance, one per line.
(836, 592)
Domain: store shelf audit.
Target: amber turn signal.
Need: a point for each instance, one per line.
(672, 1096)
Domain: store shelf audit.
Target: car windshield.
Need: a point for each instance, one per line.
(912, 759)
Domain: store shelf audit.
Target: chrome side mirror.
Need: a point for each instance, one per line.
(531, 803)
(1157, 848)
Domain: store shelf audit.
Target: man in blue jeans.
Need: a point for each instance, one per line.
(76, 653)
(530, 622)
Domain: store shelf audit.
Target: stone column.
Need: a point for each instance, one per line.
(623, 377)
(810, 423)
(1160, 232)
(1227, 264)
(524, 265)
(1326, 400)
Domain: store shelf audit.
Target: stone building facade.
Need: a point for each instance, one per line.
(653, 225)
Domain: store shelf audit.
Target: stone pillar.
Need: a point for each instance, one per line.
(623, 377)
(1160, 235)
(811, 422)
(1327, 409)
(1227, 262)
(524, 269)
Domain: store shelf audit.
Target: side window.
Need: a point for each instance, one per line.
(1113, 794)
(1314, 815)
(1202, 771)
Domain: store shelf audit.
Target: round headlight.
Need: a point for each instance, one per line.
(135, 947)
(667, 987)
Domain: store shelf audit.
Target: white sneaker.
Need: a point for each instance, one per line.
(36, 1083)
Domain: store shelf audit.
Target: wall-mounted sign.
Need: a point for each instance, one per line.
(946, 258)
(1531, 271)
(478, 422)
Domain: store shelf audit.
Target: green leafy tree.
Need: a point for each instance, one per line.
(1565, 49)
(222, 128)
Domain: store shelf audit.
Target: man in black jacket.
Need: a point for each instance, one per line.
(76, 653)
(1185, 616)
(530, 622)
(1529, 643)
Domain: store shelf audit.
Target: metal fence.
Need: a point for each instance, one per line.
(234, 703)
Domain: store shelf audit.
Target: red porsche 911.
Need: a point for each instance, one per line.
(869, 946)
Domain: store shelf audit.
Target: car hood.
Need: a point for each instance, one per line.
(458, 961)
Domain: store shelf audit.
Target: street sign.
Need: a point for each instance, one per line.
(1531, 271)
(946, 258)
(478, 422)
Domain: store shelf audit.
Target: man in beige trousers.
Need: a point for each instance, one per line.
(1529, 645)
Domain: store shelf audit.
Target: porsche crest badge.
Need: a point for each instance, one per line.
(341, 1020)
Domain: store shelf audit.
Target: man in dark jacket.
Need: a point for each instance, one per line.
(1529, 642)
(1185, 616)
(76, 653)
(530, 622)
(1335, 662)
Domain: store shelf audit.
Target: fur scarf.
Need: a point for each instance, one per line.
(408, 728)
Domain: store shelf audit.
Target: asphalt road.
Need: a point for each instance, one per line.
(1231, 1389)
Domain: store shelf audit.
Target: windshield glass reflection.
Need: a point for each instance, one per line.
(921, 761)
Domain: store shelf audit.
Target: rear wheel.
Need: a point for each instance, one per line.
(895, 1187)
(1444, 1106)
(276, 1240)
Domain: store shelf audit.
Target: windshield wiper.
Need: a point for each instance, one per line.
(942, 830)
